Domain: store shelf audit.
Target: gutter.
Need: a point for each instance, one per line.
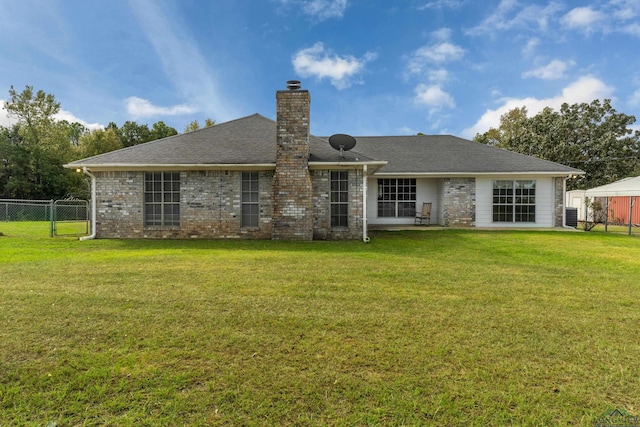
(93, 205)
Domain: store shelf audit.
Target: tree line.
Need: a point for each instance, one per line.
(33, 150)
(592, 137)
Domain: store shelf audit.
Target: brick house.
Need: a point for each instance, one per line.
(259, 179)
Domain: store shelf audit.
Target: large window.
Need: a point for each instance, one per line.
(397, 197)
(514, 201)
(250, 200)
(339, 199)
(162, 199)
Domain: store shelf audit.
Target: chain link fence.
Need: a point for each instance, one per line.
(41, 218)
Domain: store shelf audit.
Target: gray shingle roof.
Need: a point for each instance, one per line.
(252, 141)
(449, 154)
(249, 140)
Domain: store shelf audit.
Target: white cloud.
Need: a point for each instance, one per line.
(438, 76)
(582, 18)
(182, 62)
(320, 10)
(531, 46)
(633, 29)
(325, 9)
(437, 53)
(585, 89)
(552, 71)
(316, 61)
(7, 121)
(634, 99)
(141, 108)
(625, 9)
(441, 51)
(71, 118)
(441, 4)
(511, 14)
(434, 97)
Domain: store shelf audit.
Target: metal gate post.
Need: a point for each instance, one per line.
(631, 200)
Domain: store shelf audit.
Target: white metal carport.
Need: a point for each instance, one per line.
(627, 187)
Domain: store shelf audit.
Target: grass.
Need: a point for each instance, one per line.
(43, 228)
(616, 228)
(416, 328)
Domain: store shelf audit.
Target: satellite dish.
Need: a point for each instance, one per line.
(342, 142)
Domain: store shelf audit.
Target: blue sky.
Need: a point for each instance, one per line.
(372, 67)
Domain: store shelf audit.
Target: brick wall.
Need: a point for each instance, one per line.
(210, 206)
(559, 201)
(119, 208)
(459, 202)
(292, 187)
(322, 207)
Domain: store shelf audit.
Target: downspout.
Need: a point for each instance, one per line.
(93, 205)
(365, 237)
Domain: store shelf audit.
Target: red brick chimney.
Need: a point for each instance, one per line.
(292, 190)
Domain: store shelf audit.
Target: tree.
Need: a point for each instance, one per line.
(35, 111)
(160, 130)
(36, 147)
(99, 141)
(132, 134)
(592, 137)
(194, 125)
(15, 164)
(75, 131)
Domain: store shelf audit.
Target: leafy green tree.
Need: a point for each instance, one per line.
(194, 125)
(15, 165)
(160, 130)
(592, 137)
(98, 142)
(35, 111)
(36, 147)
(74, 131)
(131, 133)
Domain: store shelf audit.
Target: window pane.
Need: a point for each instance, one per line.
(339, 215)
(386, 209)
(250, 215)
(406, 209)
(162, 199)
(514, 201)
(339, 198)
(402, 194)
(250, 197)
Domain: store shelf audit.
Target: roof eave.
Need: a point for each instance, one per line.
(169, 166)
(472, 174)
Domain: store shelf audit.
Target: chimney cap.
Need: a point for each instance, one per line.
(293, 84)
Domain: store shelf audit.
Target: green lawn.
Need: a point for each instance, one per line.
(441, 328)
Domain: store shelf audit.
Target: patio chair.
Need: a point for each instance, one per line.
(424, 216)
